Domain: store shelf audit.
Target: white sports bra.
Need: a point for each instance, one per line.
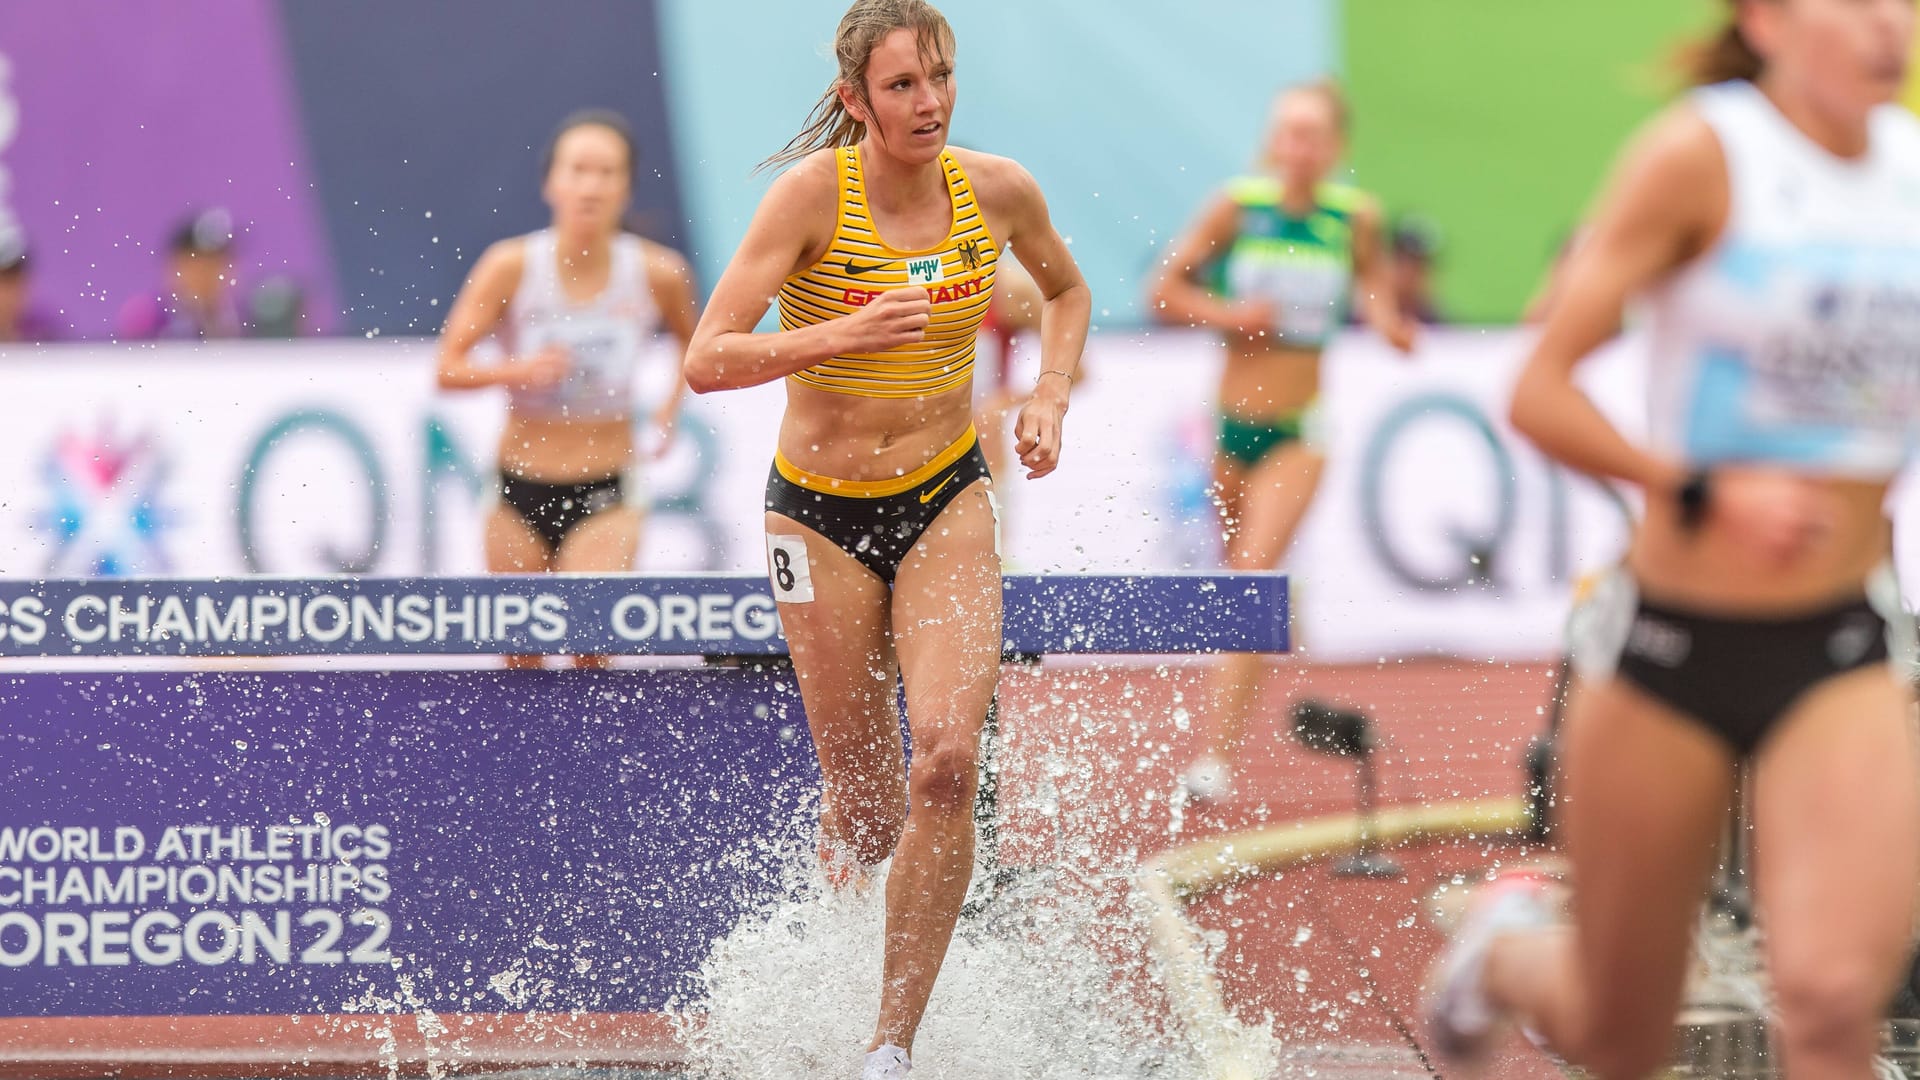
(1795, 340)
(603, 337)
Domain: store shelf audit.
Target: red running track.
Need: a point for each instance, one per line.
(1301, 946)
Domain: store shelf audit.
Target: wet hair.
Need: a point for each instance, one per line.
(862, 28)
(1724, 57)
(602, 118)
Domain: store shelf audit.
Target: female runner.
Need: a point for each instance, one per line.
(1271, 264)
(1772, 222)
(574, 305)
(880, 244)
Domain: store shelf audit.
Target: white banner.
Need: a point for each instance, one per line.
(1436, 530)
(305, 458)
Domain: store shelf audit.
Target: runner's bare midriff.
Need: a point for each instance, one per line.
(1709, 569)
(565, 451)
(870, 439)
(1264, 380)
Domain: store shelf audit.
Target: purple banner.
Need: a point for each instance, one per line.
(298, 842)
(683, 615)
(123, 118)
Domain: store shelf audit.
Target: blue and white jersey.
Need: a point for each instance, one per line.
(1795, 340)
(603, 338)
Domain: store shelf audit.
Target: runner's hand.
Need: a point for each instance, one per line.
(1251, 317)
(1036, 432)
(1775, 515)
(894, 318)
(1403, 334)
(543, 370)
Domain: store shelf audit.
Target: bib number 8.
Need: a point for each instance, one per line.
(787, 566)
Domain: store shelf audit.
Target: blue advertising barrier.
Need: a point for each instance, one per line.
(286, 842)
(693, 615)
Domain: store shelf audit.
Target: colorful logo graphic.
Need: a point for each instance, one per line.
(1190, 514)
(106, 514)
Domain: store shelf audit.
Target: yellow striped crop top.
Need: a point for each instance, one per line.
(958, 272)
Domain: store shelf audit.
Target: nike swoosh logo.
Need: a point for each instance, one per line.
(854, 269)
(927, 496)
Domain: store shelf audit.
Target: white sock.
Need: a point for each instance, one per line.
(887, 1063)
(1208, 777)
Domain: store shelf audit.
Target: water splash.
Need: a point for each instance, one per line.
(1071, 971)
(1050, 981)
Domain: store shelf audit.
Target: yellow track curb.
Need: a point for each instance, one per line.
(1170, 880)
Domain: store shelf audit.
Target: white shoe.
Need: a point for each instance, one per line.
(1464, 1024)
(843, 874)
(887, 1063)
(1208, 779)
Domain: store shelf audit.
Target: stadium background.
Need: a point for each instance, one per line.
(367, 159)
(368, 154)
(333, 131)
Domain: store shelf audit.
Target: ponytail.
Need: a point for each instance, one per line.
(1725, 57)
(828, 125)
(861, 29)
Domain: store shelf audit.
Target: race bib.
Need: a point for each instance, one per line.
(787, 569)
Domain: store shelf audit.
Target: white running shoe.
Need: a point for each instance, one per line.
(1208, 779)
(844, 875)
(887, 1063)
(1464, 1024)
